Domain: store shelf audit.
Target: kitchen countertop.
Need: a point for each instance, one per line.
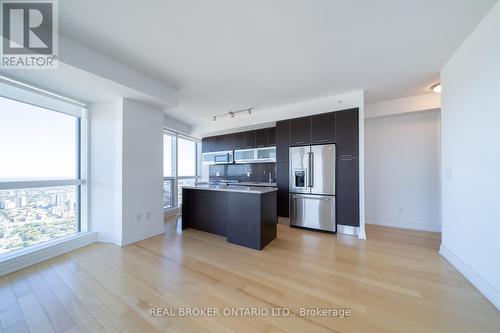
(233, 188)
(264, 184)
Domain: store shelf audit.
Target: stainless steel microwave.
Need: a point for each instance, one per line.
(219, 157)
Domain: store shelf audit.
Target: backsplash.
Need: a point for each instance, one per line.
(258, 172)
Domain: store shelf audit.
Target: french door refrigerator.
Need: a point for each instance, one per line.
(312, 187)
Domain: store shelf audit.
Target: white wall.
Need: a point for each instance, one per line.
(428, 101)
(402, 170)
(471, 157)
(105, 170)
(126, 171)
(142, 191)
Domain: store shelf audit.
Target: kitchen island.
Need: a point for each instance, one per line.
(246, 215)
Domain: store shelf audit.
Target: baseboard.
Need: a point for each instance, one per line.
(404, 225)
(347, 230)
(484, 287)
(35, 254)
(104, 238)
(140, 236)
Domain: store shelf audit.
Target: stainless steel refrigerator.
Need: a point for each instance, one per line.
(312, 187)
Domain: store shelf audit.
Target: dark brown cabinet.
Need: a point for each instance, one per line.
(209, 144)
(282, 152)
(243, 140)
(262, 138)
(347, 194)
(249, 140)
(282, 183)
(239, 140)
(228, 142)
(282, 140)
(300, 131)
(346, 132)
(272, 136)
(323, 128)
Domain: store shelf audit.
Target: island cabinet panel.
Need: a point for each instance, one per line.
(245, 218)
(323, 128)
(243, 230)
(197, 205)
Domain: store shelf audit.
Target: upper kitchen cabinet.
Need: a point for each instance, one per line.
(209, 144)
(244, 140)
(228, 142)
(282, 140)
(300, 131)
(262, 138)
(272, 136)
(249, 139)
(347, 132)
(323, 128)
(239, 140)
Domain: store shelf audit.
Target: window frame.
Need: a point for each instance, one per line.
(27, 94)
(175, 165)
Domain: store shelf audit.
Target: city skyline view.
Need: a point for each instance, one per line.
(32, 216)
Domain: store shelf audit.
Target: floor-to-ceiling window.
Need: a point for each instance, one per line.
(180, 166)
(40, 173)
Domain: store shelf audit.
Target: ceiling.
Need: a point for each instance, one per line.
(225, 55)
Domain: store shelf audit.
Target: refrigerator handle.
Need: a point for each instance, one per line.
(311, 169)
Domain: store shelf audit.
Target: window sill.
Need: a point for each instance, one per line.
(22, 258)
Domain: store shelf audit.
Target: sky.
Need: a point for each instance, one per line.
(36, 143)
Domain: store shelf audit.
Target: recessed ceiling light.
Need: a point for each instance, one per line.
(436, 87)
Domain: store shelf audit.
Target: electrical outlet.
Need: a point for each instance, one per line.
(148, 215)
(138, 217)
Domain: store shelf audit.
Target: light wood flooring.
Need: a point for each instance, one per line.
(393, 282)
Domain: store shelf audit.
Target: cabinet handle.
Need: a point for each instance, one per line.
(325, 140)
(299, 142)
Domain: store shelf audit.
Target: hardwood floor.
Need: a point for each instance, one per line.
(393, 282)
